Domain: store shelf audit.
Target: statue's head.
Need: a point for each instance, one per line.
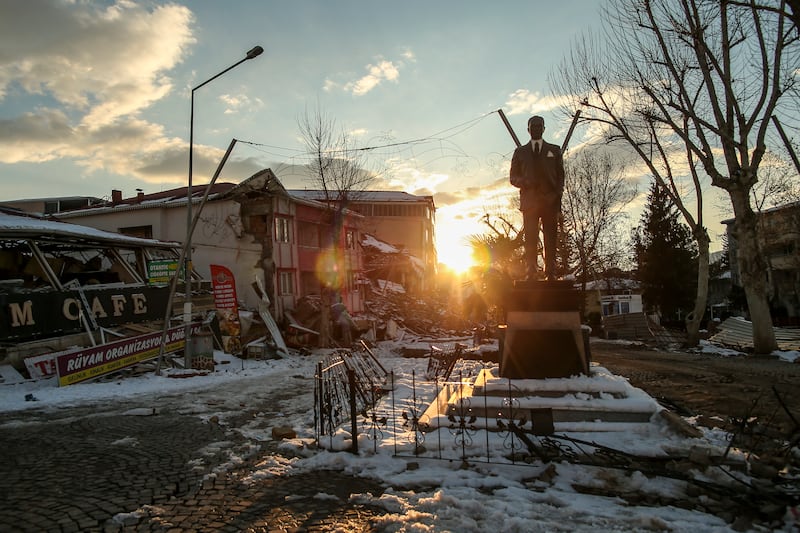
(536, 127)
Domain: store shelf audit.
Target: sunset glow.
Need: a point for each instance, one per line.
(453, 231)
(457, 256)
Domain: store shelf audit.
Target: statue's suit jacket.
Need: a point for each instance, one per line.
(540, 178)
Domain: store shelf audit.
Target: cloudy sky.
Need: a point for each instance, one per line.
(95, 95)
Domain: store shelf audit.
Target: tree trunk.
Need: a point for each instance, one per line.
(753, 272)
(694, 318)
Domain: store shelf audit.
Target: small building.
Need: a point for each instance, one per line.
(64, 285)
(718, 303)
(49, 206)
(614, 296)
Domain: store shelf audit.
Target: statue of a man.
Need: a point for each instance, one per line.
(537, 168)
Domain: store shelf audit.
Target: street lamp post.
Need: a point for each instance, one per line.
(187, 305)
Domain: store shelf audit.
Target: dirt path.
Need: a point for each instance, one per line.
(721, 390)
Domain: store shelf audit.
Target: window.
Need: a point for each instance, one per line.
(308, 234)
(143, 232)
(286, 282)
(281, 229)
(350, 239)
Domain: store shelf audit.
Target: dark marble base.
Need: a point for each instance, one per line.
(543, 338)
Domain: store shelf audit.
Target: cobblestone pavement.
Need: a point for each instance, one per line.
(82, 469)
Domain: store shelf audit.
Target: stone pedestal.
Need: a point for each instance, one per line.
(543, 337)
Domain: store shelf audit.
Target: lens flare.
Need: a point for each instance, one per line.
(329, 270)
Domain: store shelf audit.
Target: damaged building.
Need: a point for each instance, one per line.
(281, 246)
(265, 236)
(406, 222)
(52, 272)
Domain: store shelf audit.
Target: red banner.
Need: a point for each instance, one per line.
(227, 305)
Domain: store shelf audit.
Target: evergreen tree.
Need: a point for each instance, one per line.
(665, 255)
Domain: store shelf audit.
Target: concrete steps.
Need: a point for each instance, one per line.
(600, 401)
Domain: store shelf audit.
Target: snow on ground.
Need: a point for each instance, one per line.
(788, 355)
(710, 348)
(423, 494)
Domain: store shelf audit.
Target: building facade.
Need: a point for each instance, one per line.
(779, 241)
(406, 221)
(613, 296)
(266, 237)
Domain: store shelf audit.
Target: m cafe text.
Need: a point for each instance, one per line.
(34, 314)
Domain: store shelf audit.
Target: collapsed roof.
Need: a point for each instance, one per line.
(28, 227)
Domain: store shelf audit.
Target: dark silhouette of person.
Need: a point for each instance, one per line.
(537, 168)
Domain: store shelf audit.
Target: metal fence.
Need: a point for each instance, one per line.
(354, 393)
(347, 385)
(444, 419)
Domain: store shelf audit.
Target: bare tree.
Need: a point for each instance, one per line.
(777, 183)
(688, 84)
(595, 197)
(625, 116)
(337, 168)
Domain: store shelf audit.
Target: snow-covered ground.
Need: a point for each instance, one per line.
(424, 494)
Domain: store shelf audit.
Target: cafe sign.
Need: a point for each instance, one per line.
(26, 315)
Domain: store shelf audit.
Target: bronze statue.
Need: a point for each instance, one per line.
(537, 169)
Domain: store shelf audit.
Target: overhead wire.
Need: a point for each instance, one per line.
(419, 153)
(469, 124)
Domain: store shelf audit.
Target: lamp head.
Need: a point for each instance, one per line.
(254, 52)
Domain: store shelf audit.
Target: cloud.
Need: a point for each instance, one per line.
(105, 62)
(382, 70)
(408, 55)
(128, 147)
(446, 198)
(235, 103)
(330, 85)
(406, 177)
(102, 66)
(34, 137)
(523, 101)
(376, 74)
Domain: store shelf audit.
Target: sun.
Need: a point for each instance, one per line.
(454, 228)
(456, 258)
(454, 252)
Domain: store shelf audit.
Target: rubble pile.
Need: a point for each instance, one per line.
(431, 314)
